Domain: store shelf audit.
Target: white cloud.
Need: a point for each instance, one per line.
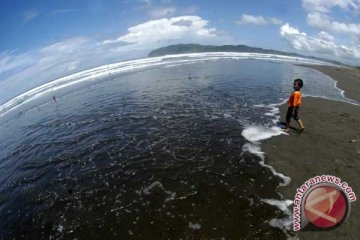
(325, 6)
(22, 71)
(48, 61)
(326, 36)
(66, 46)
(275, 21)
(297, 39)
(11, 61)
(321, 15)
(322, 21)
(246, 19)
(286, 29)
(319, 12)
(324, 44)
(165, 30)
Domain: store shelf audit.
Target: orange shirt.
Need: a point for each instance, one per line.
(295, 99)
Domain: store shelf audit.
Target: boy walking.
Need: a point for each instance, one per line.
(294, 104)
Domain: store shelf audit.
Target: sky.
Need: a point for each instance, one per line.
(41, 41)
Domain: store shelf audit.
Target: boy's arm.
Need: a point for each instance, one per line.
(292, 99)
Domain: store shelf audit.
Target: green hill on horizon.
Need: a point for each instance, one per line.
(198, 48)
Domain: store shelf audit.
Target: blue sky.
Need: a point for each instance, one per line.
(43, 40)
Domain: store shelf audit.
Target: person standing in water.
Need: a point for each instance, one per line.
(54, 99)
(294, 104)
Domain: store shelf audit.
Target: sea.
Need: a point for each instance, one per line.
(155, 148)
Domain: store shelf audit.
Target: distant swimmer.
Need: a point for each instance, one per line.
(54, 98)
(192, 77)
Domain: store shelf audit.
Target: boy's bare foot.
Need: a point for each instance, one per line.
(286, 129)
(301, 130)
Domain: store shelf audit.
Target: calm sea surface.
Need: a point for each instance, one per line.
(156, 153)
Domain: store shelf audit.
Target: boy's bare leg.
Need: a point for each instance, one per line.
(301, 124)
(287, 127)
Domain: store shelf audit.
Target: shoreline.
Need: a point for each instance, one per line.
(330, 145)
(347, 79)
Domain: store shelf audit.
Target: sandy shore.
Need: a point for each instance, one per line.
(329, 145)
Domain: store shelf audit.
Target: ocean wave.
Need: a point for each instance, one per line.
(126, 66)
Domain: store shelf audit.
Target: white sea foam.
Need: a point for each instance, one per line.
(273, 110)
(147, 190)
(284, 224)
(282, 205)
(259, 105)
(256, 133)
(254, 148)
(115, 68)
(194, 226)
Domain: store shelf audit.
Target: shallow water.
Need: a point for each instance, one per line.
(152, 153)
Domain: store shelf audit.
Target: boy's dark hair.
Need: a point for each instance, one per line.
(300, 82)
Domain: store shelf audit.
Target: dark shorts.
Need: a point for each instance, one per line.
(291, 113)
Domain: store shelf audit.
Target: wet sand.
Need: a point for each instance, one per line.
(330, 145)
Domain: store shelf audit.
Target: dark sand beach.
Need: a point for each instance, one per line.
(330, 144)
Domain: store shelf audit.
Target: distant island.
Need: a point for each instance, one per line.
(198, 48)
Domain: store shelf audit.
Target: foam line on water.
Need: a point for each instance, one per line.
(254, 148)
(344, 99)
(254, 134)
